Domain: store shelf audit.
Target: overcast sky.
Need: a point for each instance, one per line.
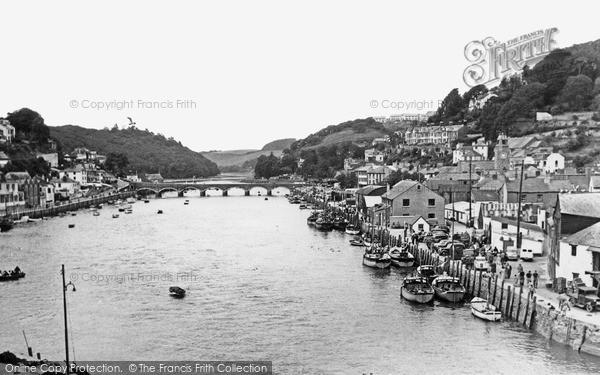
(256, 70)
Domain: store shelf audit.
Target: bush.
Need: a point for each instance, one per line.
(596, 117)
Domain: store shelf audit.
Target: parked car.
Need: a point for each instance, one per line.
(511, 253)
(481, 263)
(585, 297)
(526, 254)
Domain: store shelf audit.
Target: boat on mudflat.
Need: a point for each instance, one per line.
(177, 292)
(401, 257)
(417, 289)
(448, 288)
(357, 242)
(6, 224)
(482, 309)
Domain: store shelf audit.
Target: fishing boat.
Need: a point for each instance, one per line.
(401, 257)
(146, 201)
(482, 309)
(312, 219)
(187, 201)
(12, 276)
(160, 212)
(115, 216)
(351, 229)
(416, 289)
(376, 258)
(128, 211)
(176, 292)
(323, 223)
(427, 271)
(96, 213)
(302, 206)
(448, 288)
(131, 200)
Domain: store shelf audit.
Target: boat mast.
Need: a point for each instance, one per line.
(65, 316)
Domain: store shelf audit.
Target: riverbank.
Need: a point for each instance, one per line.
(38, 213)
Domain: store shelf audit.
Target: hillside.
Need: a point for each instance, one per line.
(357, 131)
(237, 157)
(280, 144)
(146, 151)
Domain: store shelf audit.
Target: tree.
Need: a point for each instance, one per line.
(267, 166)
(116, 163)
(577, 93)
(30, 124)
(347, 180)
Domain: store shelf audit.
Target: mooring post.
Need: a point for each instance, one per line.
(479, 284)
(519, 304)
(509, 299)
(495, 289)
(526, 310)
(533, 312)
(501, 294)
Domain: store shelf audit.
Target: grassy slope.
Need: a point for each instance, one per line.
(228, 158)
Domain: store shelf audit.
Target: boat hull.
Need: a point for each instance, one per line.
(448, 295)
(376, 263)
(416, 297)
(483, 310)
(12, 277)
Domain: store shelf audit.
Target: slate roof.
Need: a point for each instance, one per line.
(538, 185)
(589, 236)
(486, 196)
(399, 189)
(369, 189)
(587, 204)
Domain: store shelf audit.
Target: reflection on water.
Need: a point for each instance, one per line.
(261, 285)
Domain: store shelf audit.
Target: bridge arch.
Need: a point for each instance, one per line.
(236, 191)
(191, 191)
(213, 192)
(280, 191)
(146, 191)
(168, 192)
(258, 191)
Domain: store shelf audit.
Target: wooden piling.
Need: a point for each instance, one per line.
(495, 289)
(468, 276)
(479, 284)
(533, 312)
(501, 294)
(519, 303)
(526, 311)
(509, 302)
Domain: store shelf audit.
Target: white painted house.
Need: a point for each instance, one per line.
(580, 252)
(553, 163)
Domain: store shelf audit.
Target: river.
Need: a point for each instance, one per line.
(261, 285)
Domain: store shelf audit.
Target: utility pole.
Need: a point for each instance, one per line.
(469, 224)
(65, 313)
(519, 210)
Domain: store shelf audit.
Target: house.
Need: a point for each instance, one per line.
(378, 175)
(543, 116)
(418, 224)
(4, 159)
(434, 134)
(50, 158)
(465, 153)
(65, 186)
(504, 234)
(11, 198)
(155, 178)
(594, 186)
(409, 199)
(542, 191)
(351, 163)
(553, 163)
(367, 197)
(377, 141)
(578, 253)
(48, 190)
(7, 131)
(459, 211)
(573, 213)
(374, 156)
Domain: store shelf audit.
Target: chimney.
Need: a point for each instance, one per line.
(494, 176)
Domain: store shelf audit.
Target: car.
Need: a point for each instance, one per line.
(442, 243)
(481, 263)
(526, 254)
(511, 253)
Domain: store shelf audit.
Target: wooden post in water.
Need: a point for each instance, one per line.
(495, 289)
(509, 297)
(526, 311)
(468, 277)
(479, 284)
(533, 312)
(519, 303)
(501, 294)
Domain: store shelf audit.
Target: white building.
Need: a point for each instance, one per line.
(553, 163)
(373, 155)
(580, 252)
(504, 234)
(7, 131)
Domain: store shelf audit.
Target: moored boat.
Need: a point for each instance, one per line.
(376, 258)
(416, 289)
(176, 291)
(6, 224)
(323, 223)
(448, 288)
(427, 271)
(401, 257)
(312, 219)
(482, 309)
(12, 276)
(131, 200)
(351, 229)
(357, 242)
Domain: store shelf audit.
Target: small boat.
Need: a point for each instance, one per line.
(376, 258)
(187, 201)
(401, 257)
(427, 271)
(448, 288)
(482, 309)
(417, 289)
(160, 212)
(312, 219)
(177, 292)
(303, 206)
(115, 216)
(357, 242)
(71, 225)
(266, 198)
(96, 213)
(73, 214)
(130, 200)
(12, 277)
(323, 224)
(100, 206)
(128, 211)
(110, 202)
(121, 209)
(351, 229)
(146, 201)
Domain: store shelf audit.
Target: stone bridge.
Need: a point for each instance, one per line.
(183, 188)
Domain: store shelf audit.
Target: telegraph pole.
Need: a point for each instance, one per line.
(519, 210)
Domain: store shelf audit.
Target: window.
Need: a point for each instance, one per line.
(504, 226)
(523, 196)
(431, 202)
(405, 214)
(574, 250)
(421, 227)
(540, 198)
(405, 202)
(431, 215)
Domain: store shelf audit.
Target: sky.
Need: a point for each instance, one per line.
(221, 75)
